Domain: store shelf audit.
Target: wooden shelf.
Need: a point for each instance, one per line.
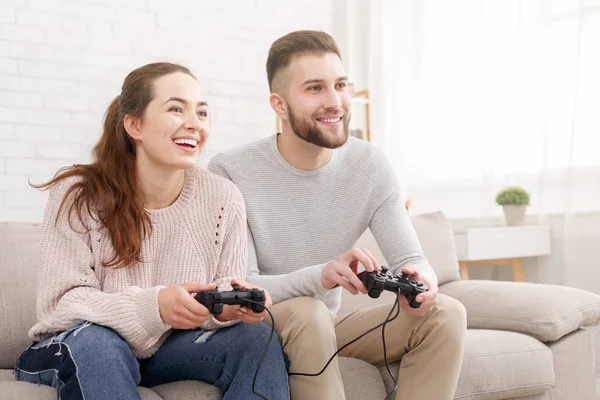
(362, 98)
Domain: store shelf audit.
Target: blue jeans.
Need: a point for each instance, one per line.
(94, 361)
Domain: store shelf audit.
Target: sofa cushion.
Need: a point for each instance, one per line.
(547, 312)
(362, 381)
(25, 391)
(12, 390)
(19, 261)
(499, 365)
(188, 390)
(437, 240)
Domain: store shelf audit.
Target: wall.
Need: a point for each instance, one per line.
(63, 61)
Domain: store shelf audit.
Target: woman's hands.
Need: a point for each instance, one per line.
(245, 313)
(180, 310)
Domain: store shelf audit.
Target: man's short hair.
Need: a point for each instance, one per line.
(298, 43)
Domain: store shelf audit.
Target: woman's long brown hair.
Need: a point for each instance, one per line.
(107, 187)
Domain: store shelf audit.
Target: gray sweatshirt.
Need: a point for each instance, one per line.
(300, 220)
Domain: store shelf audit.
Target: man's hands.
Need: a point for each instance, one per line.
(428, 299)
(179, 309)
(342, 270)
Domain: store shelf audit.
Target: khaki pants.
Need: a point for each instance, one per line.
(430, 347)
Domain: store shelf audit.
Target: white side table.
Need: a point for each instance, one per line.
(503, 245)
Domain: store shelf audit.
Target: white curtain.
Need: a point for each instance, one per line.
(469, 96)
(472, 95)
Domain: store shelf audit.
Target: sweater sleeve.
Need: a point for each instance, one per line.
(69, 289)
(234, 254)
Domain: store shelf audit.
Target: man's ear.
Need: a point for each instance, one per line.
(133, 126)
(279, 105)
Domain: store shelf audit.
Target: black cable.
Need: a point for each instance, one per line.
(395, 307)
(265, 351)
(387, 366)
(346, 345)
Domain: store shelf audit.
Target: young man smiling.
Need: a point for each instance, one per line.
(310, 192)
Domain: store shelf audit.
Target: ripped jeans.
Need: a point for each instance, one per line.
(93, 362)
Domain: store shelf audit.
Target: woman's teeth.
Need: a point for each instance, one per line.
(189, 142)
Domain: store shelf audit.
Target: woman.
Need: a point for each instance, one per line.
(127, 240)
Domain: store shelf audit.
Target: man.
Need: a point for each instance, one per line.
(310, 192)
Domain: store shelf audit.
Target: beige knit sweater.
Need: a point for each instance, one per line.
(201, 237)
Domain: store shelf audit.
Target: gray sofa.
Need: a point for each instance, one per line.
(525, 341)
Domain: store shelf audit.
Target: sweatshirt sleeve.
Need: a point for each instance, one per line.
(391, 225)
(303, 282)
(69, 290)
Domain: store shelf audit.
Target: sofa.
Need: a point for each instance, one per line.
(524, 341)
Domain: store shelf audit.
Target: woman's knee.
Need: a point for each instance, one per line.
(257, 335)
(96, 345)
(252, 340)
(94, 337)
(83, 349)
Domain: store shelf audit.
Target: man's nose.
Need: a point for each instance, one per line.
(333, 100)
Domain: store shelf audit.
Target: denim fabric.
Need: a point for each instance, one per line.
(93, 362)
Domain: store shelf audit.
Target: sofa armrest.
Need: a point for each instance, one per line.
(546, 312)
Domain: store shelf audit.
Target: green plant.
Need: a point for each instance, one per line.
(512, 195)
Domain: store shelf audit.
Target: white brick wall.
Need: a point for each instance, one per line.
(62, 61)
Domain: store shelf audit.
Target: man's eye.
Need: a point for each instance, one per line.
(341, 85)
(314, 88)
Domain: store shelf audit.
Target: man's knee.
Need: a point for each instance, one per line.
(304, 316)
(451, 317)
(306, 311)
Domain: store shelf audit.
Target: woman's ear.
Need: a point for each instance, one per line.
(133, 126)
(279, 105)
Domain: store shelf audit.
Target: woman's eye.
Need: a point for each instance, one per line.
(203, 113)
(341, 85)
(175, 109)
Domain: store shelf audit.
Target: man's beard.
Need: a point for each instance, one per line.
(310, 132)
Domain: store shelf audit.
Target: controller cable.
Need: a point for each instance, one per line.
(395, 307)
(264, 354)
(387, 366)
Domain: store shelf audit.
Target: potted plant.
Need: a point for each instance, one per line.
(514, 201)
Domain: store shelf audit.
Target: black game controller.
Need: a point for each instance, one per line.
(378, 281)
(214, 299)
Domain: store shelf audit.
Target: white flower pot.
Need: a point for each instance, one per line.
(514, 214)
